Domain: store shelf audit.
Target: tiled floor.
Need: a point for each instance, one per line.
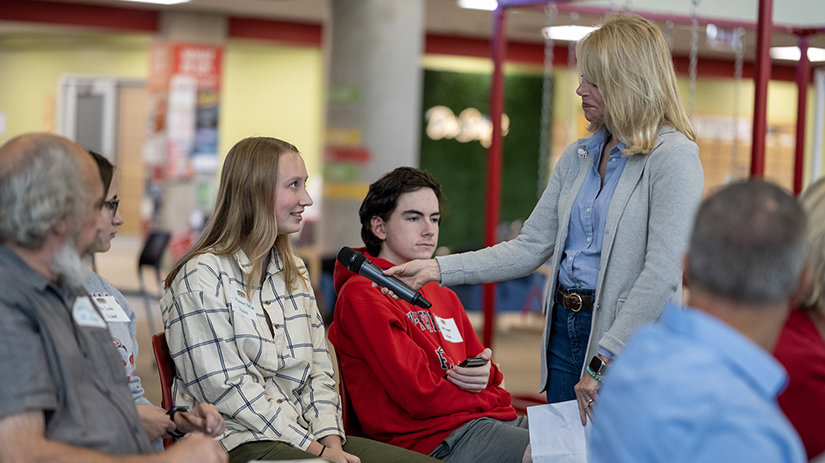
(516, 350)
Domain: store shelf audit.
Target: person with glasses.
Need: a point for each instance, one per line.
(122, 324)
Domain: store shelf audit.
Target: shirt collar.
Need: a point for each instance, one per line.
(246, 266)
(593, 145)
(10, 260)
(741, 354)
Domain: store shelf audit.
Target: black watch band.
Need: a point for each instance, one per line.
(171, 412)
(598, 366)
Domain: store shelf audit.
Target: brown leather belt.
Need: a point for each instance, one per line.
(573, 301)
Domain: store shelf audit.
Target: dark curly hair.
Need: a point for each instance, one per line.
(382, 199)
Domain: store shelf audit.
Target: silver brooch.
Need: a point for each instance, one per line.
(582, 152)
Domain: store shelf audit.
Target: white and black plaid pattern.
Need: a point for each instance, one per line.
(267, 388)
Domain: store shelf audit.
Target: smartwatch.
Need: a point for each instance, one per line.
(598, 366)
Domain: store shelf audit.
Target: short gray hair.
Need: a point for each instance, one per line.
(38, 191)
(748, 244)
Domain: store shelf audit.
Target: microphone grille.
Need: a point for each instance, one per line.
(351, 259)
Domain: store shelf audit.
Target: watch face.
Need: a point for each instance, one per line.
(597, 365)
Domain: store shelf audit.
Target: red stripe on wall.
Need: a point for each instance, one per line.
(278, 31)
(79, 14)
(533, 53)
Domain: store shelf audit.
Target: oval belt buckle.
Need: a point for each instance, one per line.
(578, 300)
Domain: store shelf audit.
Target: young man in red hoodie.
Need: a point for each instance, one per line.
(401, 362)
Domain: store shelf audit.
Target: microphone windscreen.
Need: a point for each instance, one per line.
(351, 259)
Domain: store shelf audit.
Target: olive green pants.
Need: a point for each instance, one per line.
(369, 451)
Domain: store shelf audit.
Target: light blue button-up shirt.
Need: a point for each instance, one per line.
(692, 389)
(583, 248)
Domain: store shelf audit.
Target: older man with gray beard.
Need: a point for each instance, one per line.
(63, 392)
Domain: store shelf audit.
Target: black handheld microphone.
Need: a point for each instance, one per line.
(356, 262)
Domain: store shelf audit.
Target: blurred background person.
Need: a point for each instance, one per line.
(801, 346)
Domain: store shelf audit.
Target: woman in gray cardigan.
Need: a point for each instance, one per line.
(618, 209)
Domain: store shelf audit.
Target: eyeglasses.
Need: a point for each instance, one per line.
(112, 205)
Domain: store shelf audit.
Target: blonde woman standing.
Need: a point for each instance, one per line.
(614, 219)
(243, 327)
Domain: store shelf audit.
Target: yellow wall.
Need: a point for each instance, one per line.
(273, 90)
(30, 67)
(267, 89)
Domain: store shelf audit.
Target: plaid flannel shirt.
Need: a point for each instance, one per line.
(267, 387)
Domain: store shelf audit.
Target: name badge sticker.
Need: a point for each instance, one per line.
(110, 308)
(448, 329)
(85, 314)
(240, 304)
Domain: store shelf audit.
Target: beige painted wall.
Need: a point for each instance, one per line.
(30, 67)
(273, 90)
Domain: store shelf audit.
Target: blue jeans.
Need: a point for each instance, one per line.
(566, 350)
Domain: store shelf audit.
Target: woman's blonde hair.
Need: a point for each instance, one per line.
(627, 58)
(244, 212)
(813, 202)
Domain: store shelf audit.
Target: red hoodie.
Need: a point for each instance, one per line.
(395, 358)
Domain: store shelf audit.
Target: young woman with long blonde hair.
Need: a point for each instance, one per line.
(242, 323)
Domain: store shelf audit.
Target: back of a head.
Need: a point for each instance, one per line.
(748, 244)
(39, 178)
(382, 198)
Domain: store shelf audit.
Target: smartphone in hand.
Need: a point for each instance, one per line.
(472, 362)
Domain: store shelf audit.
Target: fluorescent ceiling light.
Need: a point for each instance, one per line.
(488, 5)
(567, 33)
(158, 2)
(793, 53)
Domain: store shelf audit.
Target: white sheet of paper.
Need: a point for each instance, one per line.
(557, 434)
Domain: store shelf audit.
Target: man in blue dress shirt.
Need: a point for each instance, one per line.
(700, 385)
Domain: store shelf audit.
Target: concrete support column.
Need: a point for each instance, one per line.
(374, 108)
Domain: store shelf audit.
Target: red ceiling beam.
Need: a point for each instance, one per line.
(79, 14)
(533, 53)
(277, 31)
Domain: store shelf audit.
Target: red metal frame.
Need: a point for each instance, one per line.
(803, 76)
(763, 75)
(499, 51)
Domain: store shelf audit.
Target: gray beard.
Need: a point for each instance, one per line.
(68, 267)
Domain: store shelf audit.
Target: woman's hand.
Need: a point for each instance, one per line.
(155, 421)
(415, 274)
(472, 379)
(587, 392)
(204, 418)
(334, 452)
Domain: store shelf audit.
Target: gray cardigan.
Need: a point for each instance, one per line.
(646, 232)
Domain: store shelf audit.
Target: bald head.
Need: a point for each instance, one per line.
(48, 185)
